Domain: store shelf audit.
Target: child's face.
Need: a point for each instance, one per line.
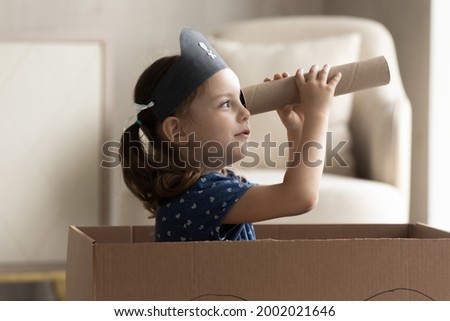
(219, 121)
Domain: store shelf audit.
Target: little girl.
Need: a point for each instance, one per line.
(192, 124)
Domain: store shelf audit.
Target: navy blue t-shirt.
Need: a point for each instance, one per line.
(197, 214)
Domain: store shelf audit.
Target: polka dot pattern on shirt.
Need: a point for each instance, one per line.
(198, 213)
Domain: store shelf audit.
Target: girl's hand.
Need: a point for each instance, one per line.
(291, 115)
(316, 95)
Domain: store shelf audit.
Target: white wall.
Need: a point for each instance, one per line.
(50, 105)
(439, 109)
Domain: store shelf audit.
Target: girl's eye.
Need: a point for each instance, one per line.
(226, 104)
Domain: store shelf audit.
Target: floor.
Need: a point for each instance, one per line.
(27, 291)
(32, 282)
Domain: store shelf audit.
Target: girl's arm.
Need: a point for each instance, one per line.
(306, 125)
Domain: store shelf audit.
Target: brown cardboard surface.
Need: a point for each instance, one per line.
(295, 262)
(356, 76)
(325, 231)
(80, 255)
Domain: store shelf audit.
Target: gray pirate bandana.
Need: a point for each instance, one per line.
(199, 61)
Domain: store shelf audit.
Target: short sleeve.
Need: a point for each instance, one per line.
(198, 214)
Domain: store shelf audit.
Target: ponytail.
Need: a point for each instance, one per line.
(135, 166)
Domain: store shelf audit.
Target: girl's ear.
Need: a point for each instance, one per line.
(171, 128)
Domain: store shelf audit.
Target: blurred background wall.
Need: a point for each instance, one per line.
(134, 33)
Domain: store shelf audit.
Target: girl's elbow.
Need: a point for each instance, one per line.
(303, 201)
(310, 202)
(305, 204)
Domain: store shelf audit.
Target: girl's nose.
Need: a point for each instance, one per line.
(244, 113)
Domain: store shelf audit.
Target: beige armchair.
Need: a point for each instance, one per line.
(374, 126)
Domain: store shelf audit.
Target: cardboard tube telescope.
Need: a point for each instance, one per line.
(356, 76)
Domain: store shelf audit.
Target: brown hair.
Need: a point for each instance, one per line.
(151, 166)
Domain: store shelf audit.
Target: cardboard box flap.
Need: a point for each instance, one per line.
(86, 233)
(117, 234)
(80, 262)
(142, 234)
(423, 231)
(328, 231)
(108, 234)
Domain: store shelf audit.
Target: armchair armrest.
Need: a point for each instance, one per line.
(382, 135)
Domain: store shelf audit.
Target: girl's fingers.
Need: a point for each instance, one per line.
(323, 73)
(277, 76)
(335, 79)
(300, 75)
(312, 74)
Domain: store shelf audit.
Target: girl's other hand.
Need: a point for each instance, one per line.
(291, 115)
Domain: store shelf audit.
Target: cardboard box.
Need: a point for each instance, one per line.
(288, 262)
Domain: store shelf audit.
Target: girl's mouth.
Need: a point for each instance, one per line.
(245, 133)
